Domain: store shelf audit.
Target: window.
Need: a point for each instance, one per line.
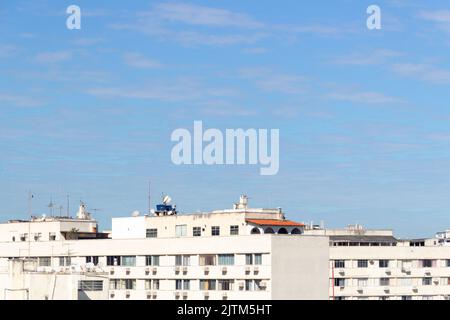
(258, 258)
(182, 284)
(339, 282)
(93, 259)
(225, 285)
(249, 259)
(151, 233)
(406, 298)
(384, 282)
(52, 236)
(178, 284)
(226, 259)
(362, 263)
(130, 284)
(152, 260)
(427, 263)
(152, 284)
(234, 230)
(181, 230)
(182, 260)
(339, 263)
(248, 285)
(113, 260)
(24, 237)
(114, 284)
(45, 262)
(64, 261)
(37, 236)
(207, 284)
(129, 261)
(447, 263)
(215, 231)
(90, 285)
(426, 281)
(362, 282)
(196, 231)
(383, 263)
(207, 260)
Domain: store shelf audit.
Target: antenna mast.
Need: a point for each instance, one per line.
(68, 203)
(149, 202)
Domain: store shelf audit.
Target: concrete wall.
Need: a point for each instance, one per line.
(300, 267)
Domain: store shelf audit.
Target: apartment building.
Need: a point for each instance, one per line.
(241, 253)
(374, 265)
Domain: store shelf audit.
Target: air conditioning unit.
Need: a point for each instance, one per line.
(415, 289)
(185, 269)
(341, 271)
(341, 287)
(263, 284)
(206, 269)
(256, 269)
(360, 289)
(387, 289)
(112, 294)
(224, 269)
(176, 269)
(436, 281)
(149, 294)
(406, 270)
(185, 294)
(206, 294)
(147, 271)
(371, 262)
(388, 271)
(111, 271)
(241, 284)
(247, 269)
(127, 270)
(428, 272)
(154, 294)
(224, 295)
(127, 294)
(154, 270)
(177, 295)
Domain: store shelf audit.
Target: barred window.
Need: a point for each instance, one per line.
(151, 233)
(90, 285)
(196, 231)
(234, 230)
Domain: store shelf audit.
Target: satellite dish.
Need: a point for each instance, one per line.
(166, 199)
(135, 214)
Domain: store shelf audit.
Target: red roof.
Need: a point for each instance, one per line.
(272, 222)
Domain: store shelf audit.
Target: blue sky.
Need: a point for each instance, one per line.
(364, 116)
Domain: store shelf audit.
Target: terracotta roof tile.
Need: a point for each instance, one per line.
(273, 222)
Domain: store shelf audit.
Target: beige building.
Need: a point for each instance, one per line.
(241, 253)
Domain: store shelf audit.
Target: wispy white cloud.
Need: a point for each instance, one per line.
(271, 81)
(364, 97)
(203, 16)
(7, 50)
(138, 60)
(371, 58)
(53, 57)
(178, 90)
(18, 100)
(425, 72)
(440, 17)
(191, 24)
